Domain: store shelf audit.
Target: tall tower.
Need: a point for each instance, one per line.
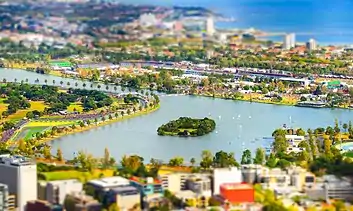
(289, 41)
(20, 175)
(311, 45)
(210, 26)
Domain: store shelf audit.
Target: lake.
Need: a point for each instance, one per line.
(240, 125)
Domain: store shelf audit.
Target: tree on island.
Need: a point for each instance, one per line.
(186, 126)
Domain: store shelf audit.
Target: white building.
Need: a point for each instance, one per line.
(148, 20)
(210, 26)
(56, 191)
(289, 41)
(311, 45)
(20, 175)
(225, 175)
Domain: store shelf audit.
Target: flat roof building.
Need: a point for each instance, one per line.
(39, 205)
(20, 175)
(56, 191)
(225, 175)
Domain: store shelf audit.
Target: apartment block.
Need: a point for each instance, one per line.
(4, 192)
(174, 182)
(274, 178)
(191, 199)
(200, 184)
(126, 197)
(56, 191)
(330, 187)
(20, 175)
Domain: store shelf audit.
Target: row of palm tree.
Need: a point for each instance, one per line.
(76, 84)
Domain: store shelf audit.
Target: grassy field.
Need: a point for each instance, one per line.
(82, 176)
(75, 106)
(49, 123)
(35, 105)
(27, 133)
(348, 154)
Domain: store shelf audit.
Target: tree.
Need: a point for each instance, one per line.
(223, 159)
(59, 155)
(192, 161)
(206, 159)
(46, 152)
(22, 146)
(45, 81)
(272, 161)
(176, 161)
(246, 157)
(106, 160)
(259, 156)
(345, 127)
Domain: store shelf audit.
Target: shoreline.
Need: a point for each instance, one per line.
(52, 73)
(107, 122)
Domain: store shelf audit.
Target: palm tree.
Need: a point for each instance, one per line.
(122, 113)
(91, 86)
(53, 82)
(84, 85)
(15, 80)
(26, 80)
(76, 84)
(134, 109)
(107, 87)
(68, 83)
(128, 112)
(192, 161)
(99, 86)
(115, 88)
(4, 80)
(45, 81)
(116, 115)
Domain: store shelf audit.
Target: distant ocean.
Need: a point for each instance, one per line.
(327, 21)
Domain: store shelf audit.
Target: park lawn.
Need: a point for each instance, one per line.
(73, 174)
(35, 105)
(75, 107)
(28, 133)
(49, 123)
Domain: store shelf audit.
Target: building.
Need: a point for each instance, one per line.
(156, 200)
(20, 175)
(56, 191)
(238, 192)
(148, 187)
(311, 45)
(200, 184)
(126, 197)
(289, 41)
(4, 192)
(82, 202)
(330, 187)
(274, 178)
(225, 175)
(98, 187)
(39, 205)
(210, 30)
(174, 182)
(147, 20)
(251, 173)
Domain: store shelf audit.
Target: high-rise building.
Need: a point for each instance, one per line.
(20, 175)
(210, 26)
(4, 192)
(289, 41)
(311, 45)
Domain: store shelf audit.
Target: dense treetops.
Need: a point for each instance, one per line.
(19, 95)
(186, 126)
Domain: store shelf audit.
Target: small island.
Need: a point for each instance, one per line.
(187, 127)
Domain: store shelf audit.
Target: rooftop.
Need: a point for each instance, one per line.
(236, 186)
(15, 160)
(59, 182)
(109, 182)
(125, 189)
(145, 181)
